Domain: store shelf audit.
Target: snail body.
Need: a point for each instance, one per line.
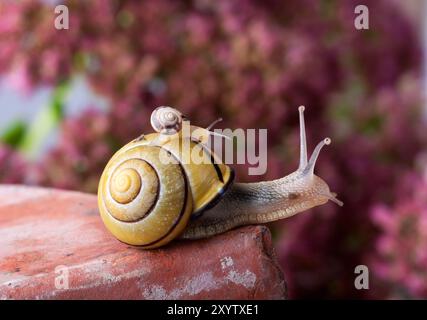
(151, 191)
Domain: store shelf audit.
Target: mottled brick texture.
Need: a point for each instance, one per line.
(45, 234)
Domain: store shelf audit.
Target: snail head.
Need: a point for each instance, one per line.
(315, 187)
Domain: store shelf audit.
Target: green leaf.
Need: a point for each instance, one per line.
(14, 134)
(45, 122)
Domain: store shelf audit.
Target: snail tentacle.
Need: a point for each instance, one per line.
(303, 140)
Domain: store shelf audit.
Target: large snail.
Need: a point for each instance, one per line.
(151, 192)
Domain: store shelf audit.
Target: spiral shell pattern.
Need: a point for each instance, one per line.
(144, 201)
(166, 120)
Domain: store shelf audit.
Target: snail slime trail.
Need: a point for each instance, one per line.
(150, 194)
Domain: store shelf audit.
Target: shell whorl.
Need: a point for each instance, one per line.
(144, 201)
(131, 179)
(166, 120)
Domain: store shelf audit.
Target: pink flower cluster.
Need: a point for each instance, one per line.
(401, 255)
(252, 63)
(12, 166)
(67, 165)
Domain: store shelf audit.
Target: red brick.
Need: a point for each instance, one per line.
(41, 229)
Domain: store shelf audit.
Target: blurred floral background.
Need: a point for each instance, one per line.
(70, 98)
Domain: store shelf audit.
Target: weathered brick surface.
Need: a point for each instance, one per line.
(43, 230)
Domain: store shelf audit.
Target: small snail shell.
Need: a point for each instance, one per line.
(166, 120)
(150, 188)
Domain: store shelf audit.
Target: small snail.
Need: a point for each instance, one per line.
(150, 193)
(166, 120)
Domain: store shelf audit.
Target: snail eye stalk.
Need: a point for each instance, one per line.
(308, 167)
(303, 140)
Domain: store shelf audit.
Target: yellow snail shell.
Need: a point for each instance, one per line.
(146, 202)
